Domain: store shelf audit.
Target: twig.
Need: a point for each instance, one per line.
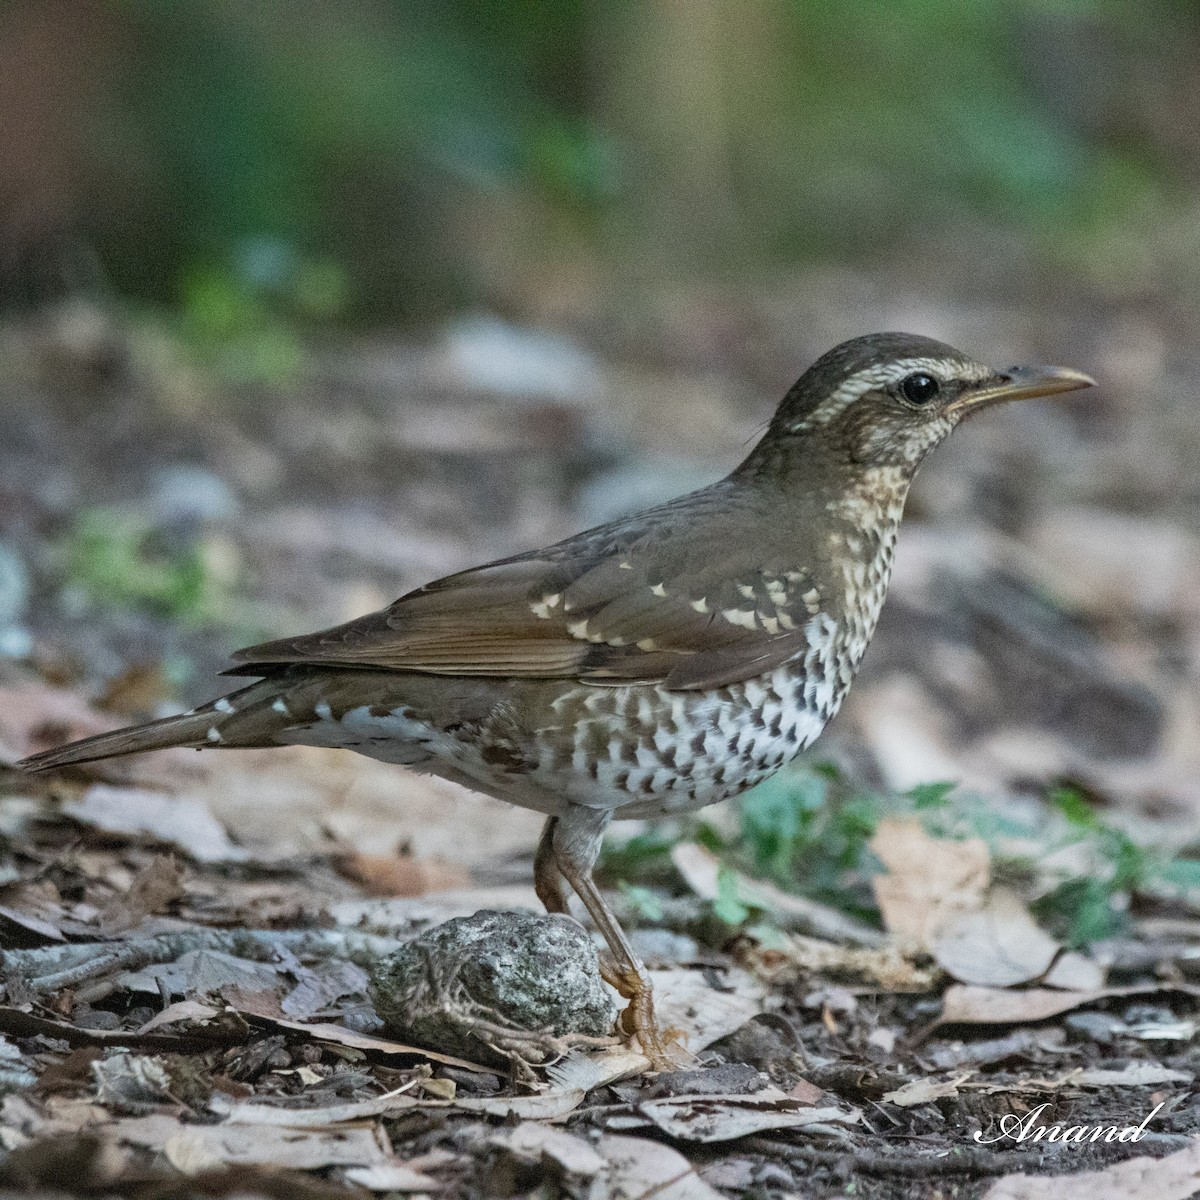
(973, 1161)
(50, 968)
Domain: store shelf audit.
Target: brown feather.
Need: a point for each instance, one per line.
(633, 601)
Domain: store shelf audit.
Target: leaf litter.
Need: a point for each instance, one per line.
(194, 1000)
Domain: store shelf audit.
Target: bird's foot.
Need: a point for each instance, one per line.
(664, 1048)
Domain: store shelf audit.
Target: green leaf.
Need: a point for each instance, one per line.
(1075, 807)
(931, 795)
(646, 903)
(729, 905)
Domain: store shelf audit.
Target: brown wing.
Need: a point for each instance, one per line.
(654, 599)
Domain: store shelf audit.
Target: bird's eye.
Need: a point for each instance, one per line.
(919, 388)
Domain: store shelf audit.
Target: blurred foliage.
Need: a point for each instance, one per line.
(382, 157)
(116, 561)
(808, 829)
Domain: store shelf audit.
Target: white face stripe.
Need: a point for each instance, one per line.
(883, 375)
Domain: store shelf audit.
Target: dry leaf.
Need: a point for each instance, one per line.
(998, 945)
(640, 1169)
(725, 1118)
(923, 1091)
(1075, 972)
(535, 1144)
(544, 1106)
(1175, 1177)
(391, 1177)
(320, 985)
(966, 1005)
(929, 880)
(153, 888)
(182, 821)
(700, 867)
(797, 956)
(686, 1001)
(132, 1079)
(341, 1036)
(190, 1011)
(401, 874)
(1136, 1074)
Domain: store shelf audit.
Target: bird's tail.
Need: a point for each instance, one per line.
(240, 719)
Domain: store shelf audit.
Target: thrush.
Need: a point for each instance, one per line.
(649, 666)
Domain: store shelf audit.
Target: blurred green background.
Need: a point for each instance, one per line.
(368, 162)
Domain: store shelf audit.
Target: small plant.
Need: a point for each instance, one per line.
(118, 562)
(1086, 908)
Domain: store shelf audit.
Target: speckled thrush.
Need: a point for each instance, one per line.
(652, 665)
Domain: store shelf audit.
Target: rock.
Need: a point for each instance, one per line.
(496, 987)
(183, 493)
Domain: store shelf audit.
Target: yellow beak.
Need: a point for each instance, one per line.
(1021, 383)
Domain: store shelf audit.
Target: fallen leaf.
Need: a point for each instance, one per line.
(963, 1004)
(192, 1149)
(257, 1112)
(685, 1000)
(1174, 1177)
(43, 930)
(796, 957)
(391, 1177)
(132, 1079)
(804, 1092)
(544, 1106)
(205, 973)
(189, 1011)
(726, 1117)
(883, 1039)
(181, 821)
(322, 984)
(998, 945)
(1074, 972)
(700, 869)
(401, 874)
(153, 888)
(1136, 1074)
(640, 1169)
(928, 880)
(923, 1091)
(534, 1144)
(341, 1036)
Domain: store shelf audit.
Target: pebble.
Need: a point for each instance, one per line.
(96, 1018)
(520, 969)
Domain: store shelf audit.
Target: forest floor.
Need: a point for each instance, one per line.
(976, 908)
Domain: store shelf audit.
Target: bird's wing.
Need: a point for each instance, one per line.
(625, 603)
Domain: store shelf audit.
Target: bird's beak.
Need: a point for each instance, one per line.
(1020, 383)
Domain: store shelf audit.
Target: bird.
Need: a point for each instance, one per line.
(647, 667)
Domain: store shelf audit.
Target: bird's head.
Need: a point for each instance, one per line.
(886, 400)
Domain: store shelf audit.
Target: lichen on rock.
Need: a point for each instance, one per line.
(511, 987)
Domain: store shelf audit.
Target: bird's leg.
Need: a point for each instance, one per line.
(547, 878)
(574, 837)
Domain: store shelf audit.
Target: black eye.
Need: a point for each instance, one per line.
(919, 388)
